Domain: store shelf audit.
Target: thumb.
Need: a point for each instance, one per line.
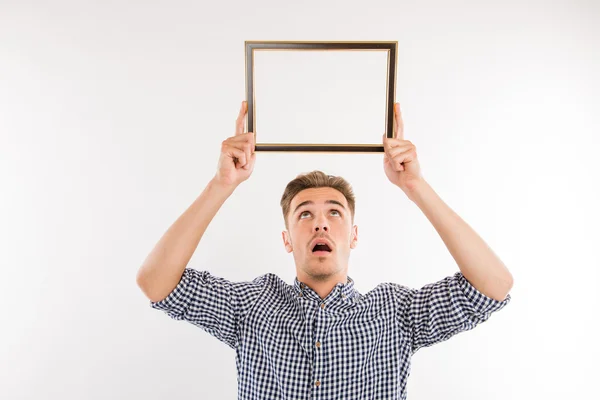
(252, 159)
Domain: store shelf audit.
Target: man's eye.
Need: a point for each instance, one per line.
(304, 212)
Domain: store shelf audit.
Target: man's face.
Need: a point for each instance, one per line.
(320, 213)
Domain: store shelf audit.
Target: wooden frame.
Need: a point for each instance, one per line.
(392, 54)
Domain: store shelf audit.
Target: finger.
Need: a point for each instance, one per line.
(237, 155)
(394, 151)
(395, 165)
(252, 158)
(390, 143)
(399, 126)
(239, 123)
(244, 137)
(244, 142)
(248, 153)
(387, 145)
(399, 159)
(247, 137)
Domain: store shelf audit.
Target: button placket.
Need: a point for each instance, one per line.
(321, 321)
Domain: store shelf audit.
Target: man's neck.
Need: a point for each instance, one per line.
(323, 288)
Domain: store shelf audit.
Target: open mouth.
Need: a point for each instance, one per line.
(321, 249)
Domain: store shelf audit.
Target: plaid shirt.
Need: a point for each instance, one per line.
(291, 344)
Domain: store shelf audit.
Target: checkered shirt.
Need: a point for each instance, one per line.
(291, 344)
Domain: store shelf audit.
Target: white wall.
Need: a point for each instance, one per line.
(111, 120)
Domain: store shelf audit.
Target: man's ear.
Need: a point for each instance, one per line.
(287, 241)
(354, 240)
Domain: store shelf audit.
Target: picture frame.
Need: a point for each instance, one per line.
(389, 47)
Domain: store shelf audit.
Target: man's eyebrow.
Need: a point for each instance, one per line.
(307, 202)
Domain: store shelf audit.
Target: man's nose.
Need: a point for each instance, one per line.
(321, 224)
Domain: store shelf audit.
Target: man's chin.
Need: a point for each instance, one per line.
(319, 260)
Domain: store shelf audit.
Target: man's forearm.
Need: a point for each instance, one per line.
(475, 259)
(164, 266)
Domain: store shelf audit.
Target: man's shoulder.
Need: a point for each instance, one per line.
(270, 280)
(390, 287)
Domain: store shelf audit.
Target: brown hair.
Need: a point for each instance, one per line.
(316, 179)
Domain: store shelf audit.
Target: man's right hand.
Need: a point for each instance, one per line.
(236, 162)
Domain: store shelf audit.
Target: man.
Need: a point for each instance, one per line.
(319, 338)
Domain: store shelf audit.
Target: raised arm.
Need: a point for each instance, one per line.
(163, 268)
(475, 259)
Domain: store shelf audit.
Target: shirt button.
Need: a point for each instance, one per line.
(323, 305)
(318, 383)
(318, 344)
(300, 295)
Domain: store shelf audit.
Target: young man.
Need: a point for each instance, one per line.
(319, 338)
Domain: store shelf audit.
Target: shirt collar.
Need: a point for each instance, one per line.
(346, 290)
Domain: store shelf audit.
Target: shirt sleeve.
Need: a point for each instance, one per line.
(214, 304)
(442, 309)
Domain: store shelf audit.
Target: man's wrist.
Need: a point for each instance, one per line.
(216, 183)
(415, 190)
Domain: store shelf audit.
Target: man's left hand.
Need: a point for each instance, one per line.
(400, 161)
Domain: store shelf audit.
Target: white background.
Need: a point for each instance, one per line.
(320, 97)
(111, 120)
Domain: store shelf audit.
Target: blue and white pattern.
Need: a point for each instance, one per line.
(291, 344)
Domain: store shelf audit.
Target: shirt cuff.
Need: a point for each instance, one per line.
(174, 299)
(480, 302)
